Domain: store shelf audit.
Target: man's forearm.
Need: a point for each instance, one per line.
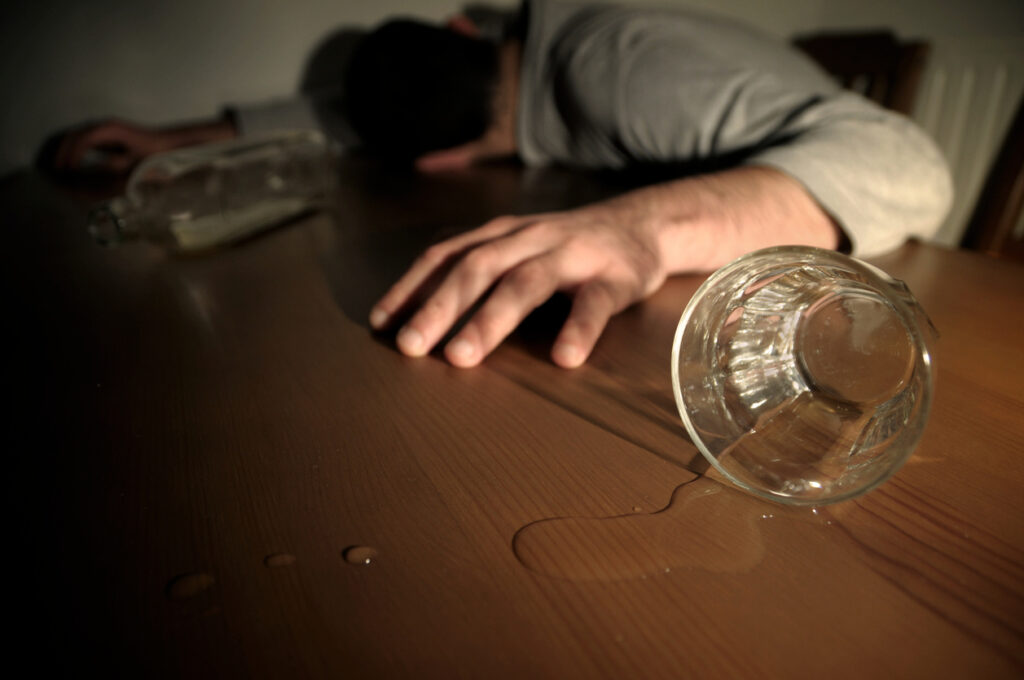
(703, 222)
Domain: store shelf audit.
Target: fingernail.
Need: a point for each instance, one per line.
(410, 341)
(378, 317)
(461, 349)
(567, 355)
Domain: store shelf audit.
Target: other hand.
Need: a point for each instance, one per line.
(116, 146)
(113, 147)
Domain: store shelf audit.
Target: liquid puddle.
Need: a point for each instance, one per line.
(278, 560)
(186, 586)
(705, 526)
(359, 554)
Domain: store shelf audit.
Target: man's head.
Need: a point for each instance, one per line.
(413, 88)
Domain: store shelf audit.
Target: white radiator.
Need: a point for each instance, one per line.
(967, 99)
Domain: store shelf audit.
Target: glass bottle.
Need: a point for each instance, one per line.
(200, 197)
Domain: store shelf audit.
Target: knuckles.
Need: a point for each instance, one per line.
(541, 230)
(481, 259)
(434, 256)
(529, 279)
(501, 223)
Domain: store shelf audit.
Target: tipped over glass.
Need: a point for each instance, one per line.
(803, 375)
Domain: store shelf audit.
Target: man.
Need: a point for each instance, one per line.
(608, 87)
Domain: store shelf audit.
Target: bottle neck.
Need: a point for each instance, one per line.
(114, 222)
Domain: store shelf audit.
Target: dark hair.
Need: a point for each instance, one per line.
(412, 88)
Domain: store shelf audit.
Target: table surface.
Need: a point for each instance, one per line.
(219, 470)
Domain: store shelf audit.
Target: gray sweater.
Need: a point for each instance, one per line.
(611, 87)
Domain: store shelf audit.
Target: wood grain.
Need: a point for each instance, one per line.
(192, 418)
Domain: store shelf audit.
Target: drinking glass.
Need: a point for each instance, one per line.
(803, 375)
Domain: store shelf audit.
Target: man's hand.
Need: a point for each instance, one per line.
(606, 256)
(602, 254)
(115, 146)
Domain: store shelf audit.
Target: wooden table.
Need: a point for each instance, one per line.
(220, 472)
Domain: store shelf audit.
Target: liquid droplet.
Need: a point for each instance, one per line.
(359, 554)
(279, 560)
(185, 586)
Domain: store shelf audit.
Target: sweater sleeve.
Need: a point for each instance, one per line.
(277, 114)
(873, 170)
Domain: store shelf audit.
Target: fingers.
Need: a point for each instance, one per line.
(76, 145)
(467, 283)
(455, 158)
(113, 146)
(120, 163)
(521, 291)
(529, 259)
(431, 262)
(594, 304)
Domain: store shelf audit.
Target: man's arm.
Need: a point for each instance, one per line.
(607, 256)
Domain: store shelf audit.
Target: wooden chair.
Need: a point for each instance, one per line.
(993, 227)
(874, 63)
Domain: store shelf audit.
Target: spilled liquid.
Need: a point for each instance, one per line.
(278, 560)
(186, 586)
(359, 554)
(705, 526)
